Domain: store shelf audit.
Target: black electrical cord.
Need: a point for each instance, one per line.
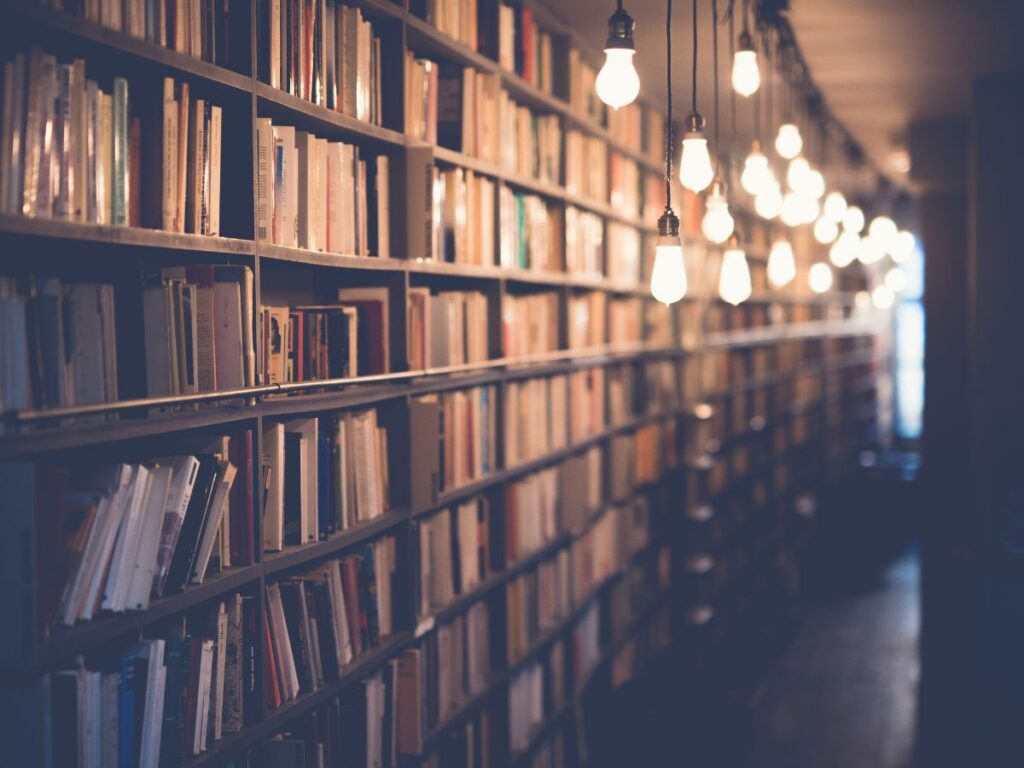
(694, 55)
(668, 101)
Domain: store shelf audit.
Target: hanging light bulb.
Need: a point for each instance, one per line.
(781, 263)
(809, 208)
(896, 279)
(819, 277)
(796, 174)
(695, 170)
(788, 142)
(903, 246)
(668, 277)
(870, 250)
(882, 296)
(883, 229)
(717, 223)
(734, 279)
(756, 173)
(792, 210)
(815, 184)
(835, 206)
(746, 75)
(862, 301)
(844, 250)
(617, 83)
(768, 202)
(853, 220)
(825, 230)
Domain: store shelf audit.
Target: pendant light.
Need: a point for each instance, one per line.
(617, 83)
(792, 212)
(882, 297)
(903, 246)
(896, 279)
(796, 174)
(746, 75)
(788, 142)
(781, 263)
(835, 206)
(668, 277)
(768, 202)
(734, 278)
(717, 224)
(883, 229)
(756, 174)
(853, 220)
(819, 277)
(871, 250)
(825, 230)
(844, 250)
(695, 170)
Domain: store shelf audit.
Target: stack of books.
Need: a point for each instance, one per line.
(530, 324)
(523, 48)
(531, 143)
(530, 236)
(454, 554)
(536, 418)
(446, 328)
(584, 243)
(462, 220)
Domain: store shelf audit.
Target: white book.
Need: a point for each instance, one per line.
(264, 180)
(183, 479)
(203, 696)
(308, 428)
(115, 593)
(92, 734)
(104, 535)
(216, 123)
(169, 157)
(273, 515)
(109, 692)
(149, 539)
(320, 194)
(281, 163)
(153, 713)
(340, 614)
(217, 687)
(335, 203)
(305, 146)
(218, 505)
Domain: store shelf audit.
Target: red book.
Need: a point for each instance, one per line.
(528, 35)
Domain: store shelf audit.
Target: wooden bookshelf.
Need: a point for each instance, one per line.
(835, 347)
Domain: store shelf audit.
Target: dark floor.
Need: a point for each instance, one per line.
(844, 693)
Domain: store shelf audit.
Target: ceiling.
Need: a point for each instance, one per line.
(879, 64)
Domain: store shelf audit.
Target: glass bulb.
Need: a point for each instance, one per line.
(815, 184)
(903, 246)
(825, 230)
(853, 220)
(668, 278)
(781, 263)
(896, 279)
(835, 206)
(809, 208)
(796, 174)
(768, 202)
(788, 142)
(756, 174)
(717, 224)
(844, 250)
(882, 297)
(695, 171)
(883, 229)
(734, 279)
(862, 301)
(746, 75)
(617, 83)
(792, 210)
(819, 277)
(871, 250)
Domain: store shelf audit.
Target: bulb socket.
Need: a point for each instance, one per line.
(668, 224)
(620, 31)
(745, 42)
(693, 127)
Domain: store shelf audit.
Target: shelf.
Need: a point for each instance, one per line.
(298, 556)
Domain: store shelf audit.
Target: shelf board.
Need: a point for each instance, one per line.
(295, 557)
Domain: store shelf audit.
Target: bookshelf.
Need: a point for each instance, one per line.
(701, 472)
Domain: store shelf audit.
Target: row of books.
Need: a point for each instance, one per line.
(322, 51)
(523, 48)
(587, 313)
(529, 324)
(121, 535)
(447, 328)
(584, 243)
(624, 185)
(205, 29)
(451, 665)
(326, 341)
(472, 746)
(452, 106)
(536, 418)
(160, 700)
(320, 195)
(58, 344)
(531, 143)
(586, 165)
(454, 554)
(535, 693)
(625, 250)
(586, 403)
(323, 476)
(626, 319)
(531, 507)
(530, 236)
(466, 21)
(462, 217)
(583, 98)
(75, 152)
(318, 622)
(535, 602)
(198, 329)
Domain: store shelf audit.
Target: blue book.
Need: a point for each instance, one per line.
(130, 705)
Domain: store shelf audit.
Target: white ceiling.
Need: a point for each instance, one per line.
(879, 64)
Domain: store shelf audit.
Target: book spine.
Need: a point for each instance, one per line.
(119, 182)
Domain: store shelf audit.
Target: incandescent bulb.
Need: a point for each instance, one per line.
(668, 278)
(896, 279)
(862, 301)
(746, 75)
(903, 246)
(695, 171)
(835, 206)
(809, 208)
(871, 250)
(796, 174)
(717, 224)
(853, 220)
(883, 229)
(882, 297)
(768, 202)
(618, 83)
(825, 230)
(788, 142)
(792, 210)
(819, 277)
(734, 279)
(815, 183)
(781, 263)
(844, 250)
(755, 172)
